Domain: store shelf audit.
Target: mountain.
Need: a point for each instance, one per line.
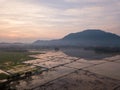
(90, 37)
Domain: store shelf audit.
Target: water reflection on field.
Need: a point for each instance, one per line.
(87, 54)
(62, 63)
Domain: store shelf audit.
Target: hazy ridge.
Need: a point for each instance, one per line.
(90, 37)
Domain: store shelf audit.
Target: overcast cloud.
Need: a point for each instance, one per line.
(28, 20)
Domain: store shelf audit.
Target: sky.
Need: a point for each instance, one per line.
(30, 20)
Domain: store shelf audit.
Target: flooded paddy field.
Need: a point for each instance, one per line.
(71, 69)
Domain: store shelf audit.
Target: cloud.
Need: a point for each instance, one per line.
(59, 17)
(75, 1)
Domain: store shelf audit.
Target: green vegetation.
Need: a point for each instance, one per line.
(12, 58)
(3, 76)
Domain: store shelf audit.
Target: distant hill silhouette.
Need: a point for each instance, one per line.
(90, 37)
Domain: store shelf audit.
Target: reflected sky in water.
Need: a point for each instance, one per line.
(86, 54)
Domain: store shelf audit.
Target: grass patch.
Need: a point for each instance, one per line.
(3, 76)
(12, 58)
